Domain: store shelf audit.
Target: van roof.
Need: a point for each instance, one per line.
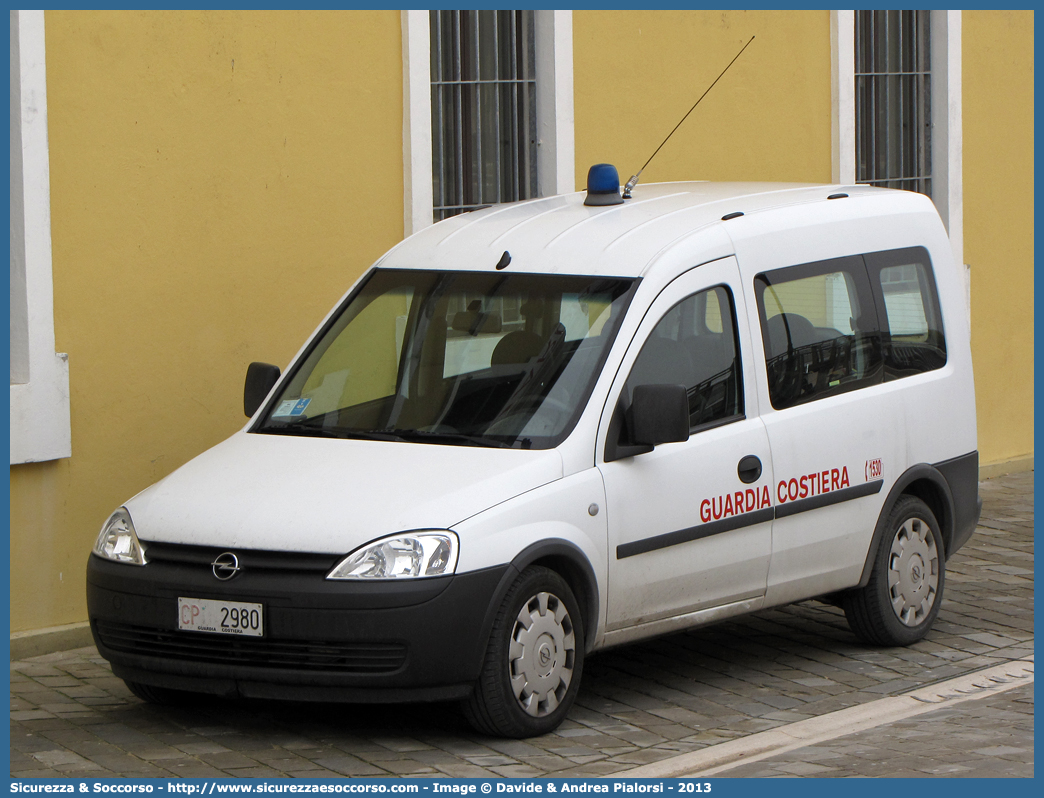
(561, 235)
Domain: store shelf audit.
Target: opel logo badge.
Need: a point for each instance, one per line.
(225, 566)
(545, 656)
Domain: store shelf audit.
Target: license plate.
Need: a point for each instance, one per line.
(220, 617)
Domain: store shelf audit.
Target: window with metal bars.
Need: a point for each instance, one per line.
(483, 109)
(893, 99)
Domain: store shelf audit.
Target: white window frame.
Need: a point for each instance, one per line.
(947, 126)
(555, 127)
(40, 422)
(947, 166)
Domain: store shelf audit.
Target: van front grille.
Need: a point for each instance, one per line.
(249, 559)
(312, 655)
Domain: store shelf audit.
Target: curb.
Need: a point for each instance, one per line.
(47, 641)
(752, 748)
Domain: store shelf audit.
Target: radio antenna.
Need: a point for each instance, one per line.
(634, 178)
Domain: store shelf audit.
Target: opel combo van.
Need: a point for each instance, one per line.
(544, 428)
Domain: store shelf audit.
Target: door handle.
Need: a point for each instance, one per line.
(749, 469)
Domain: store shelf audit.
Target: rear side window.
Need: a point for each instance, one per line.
(694, 345)
(908, 306)
(820, 329)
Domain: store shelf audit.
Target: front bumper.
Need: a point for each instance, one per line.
(323, 640)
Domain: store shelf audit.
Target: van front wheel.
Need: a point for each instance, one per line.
(899, 603)
(534, 659)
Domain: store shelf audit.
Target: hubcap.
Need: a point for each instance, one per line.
(913, 572)
(543, 649)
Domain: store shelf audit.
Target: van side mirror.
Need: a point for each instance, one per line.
(659, 414)
(260, 379)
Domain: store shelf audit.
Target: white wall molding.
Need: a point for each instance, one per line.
(842, 96)
(555, 125)
(416, 122)
(947, 126)
(40, 425)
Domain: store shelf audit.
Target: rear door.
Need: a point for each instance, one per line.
(837, 430)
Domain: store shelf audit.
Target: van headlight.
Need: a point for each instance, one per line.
(118, 541)
(408, 555)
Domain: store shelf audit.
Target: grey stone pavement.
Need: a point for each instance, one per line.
(986, 738)
(70, 717)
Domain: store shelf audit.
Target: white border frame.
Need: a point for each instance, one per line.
(40, 420)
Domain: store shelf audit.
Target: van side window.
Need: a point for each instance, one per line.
(820, 330)
(694, 345)
(908, 305)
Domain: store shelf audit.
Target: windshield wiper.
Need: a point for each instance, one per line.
(307, 430)
(298, 429)
(450, 437)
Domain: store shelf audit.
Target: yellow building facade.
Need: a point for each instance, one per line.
(217, 180)
(998, 233)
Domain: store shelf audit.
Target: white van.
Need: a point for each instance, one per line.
(541, 429)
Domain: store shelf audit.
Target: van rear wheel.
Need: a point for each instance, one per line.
(534, 659)
(900, 602)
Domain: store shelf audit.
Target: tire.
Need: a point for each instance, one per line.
(163, 696)
(899, 603)
(534, 659)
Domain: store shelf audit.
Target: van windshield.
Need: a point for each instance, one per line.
(458, 358)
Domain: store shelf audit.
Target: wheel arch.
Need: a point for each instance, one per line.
(567, 560)
(926, 483)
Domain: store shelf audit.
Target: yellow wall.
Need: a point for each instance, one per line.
(998, 225)
(638, 72)
(218, 179)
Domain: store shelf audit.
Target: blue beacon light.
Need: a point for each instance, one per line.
(603, 185)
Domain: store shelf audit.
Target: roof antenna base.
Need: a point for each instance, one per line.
(630, 184)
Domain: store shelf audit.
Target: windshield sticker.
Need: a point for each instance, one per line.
(292, 407)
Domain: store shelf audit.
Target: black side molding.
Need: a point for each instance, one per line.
(826, 499)
(625, 550)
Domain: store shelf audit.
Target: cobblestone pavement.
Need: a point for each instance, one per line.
(638, 704)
